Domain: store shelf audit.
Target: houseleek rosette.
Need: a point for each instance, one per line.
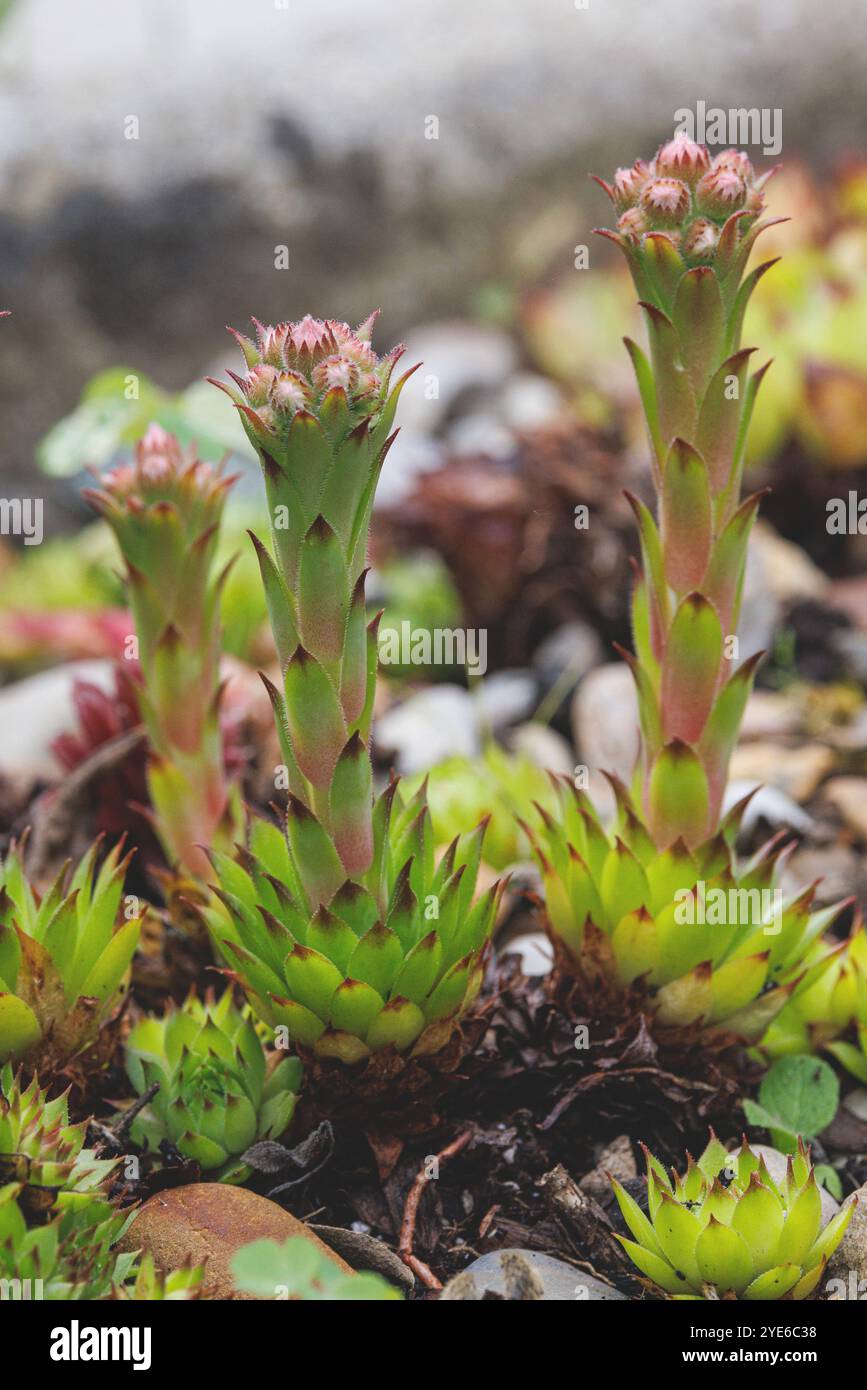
(218, 1091)
(615, 900)
(165, 510)
(57, 1223)
(64, 957)
(701, 934)
(828, 1007)
(342, 930)
(727, 1230)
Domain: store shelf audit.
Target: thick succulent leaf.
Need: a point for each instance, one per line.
(398, 1025)
(686, 517)
(664, 266)
(699, 319)
(351, 806)
(647, 392)
(720, 417)
(676, 400)
(315, 718)
(825, 1244)
(355, 905)
(720, 733)
(354, 1006)
(735, 984)
(654, 574)
(635, 946)
(280, 604)
(313, 852)
(677, 1230)
(636, 1220)
(323, 595)
(308, 457)
(347, 484)
(723, 1258)
(312, 979)
(759, 1219)
(773, 1284)
(723, 580)
(19, 1027)
(417, 975)
(687, 999)
(809, 1282)
(623, 885)
(108, 973)
(677, 796)
(742, 299)
(801, 1229)
(654, 1268)
(690, 668)
(331, 937)
(354, 669)
(302, 1025)
(376, 959)
(449, 995)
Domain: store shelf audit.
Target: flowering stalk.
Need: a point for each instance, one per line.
(345, 931)
(627, 909)
(687, 226)
(165, 510)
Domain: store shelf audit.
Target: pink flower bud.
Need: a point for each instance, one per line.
(720, 193)
(633, 223)
(665, 201)
(336, 371)
(288, 392)
(628, 184)
(737, 162)
(257, 384)
(700, 241)
(683, 159)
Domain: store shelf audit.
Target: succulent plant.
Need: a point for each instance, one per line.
(825, 1009)
(343, 930)
(165, 510)
(218, 1090)
(727, 1230)
(64, 957)
(697, 399)
(38, 1145)
(57, 1224)
(351, 967)
(705, 938)
(628, 907)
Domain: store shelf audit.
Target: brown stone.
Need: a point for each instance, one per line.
(211, 1221)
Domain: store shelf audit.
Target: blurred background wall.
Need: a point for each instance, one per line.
(154, 153)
